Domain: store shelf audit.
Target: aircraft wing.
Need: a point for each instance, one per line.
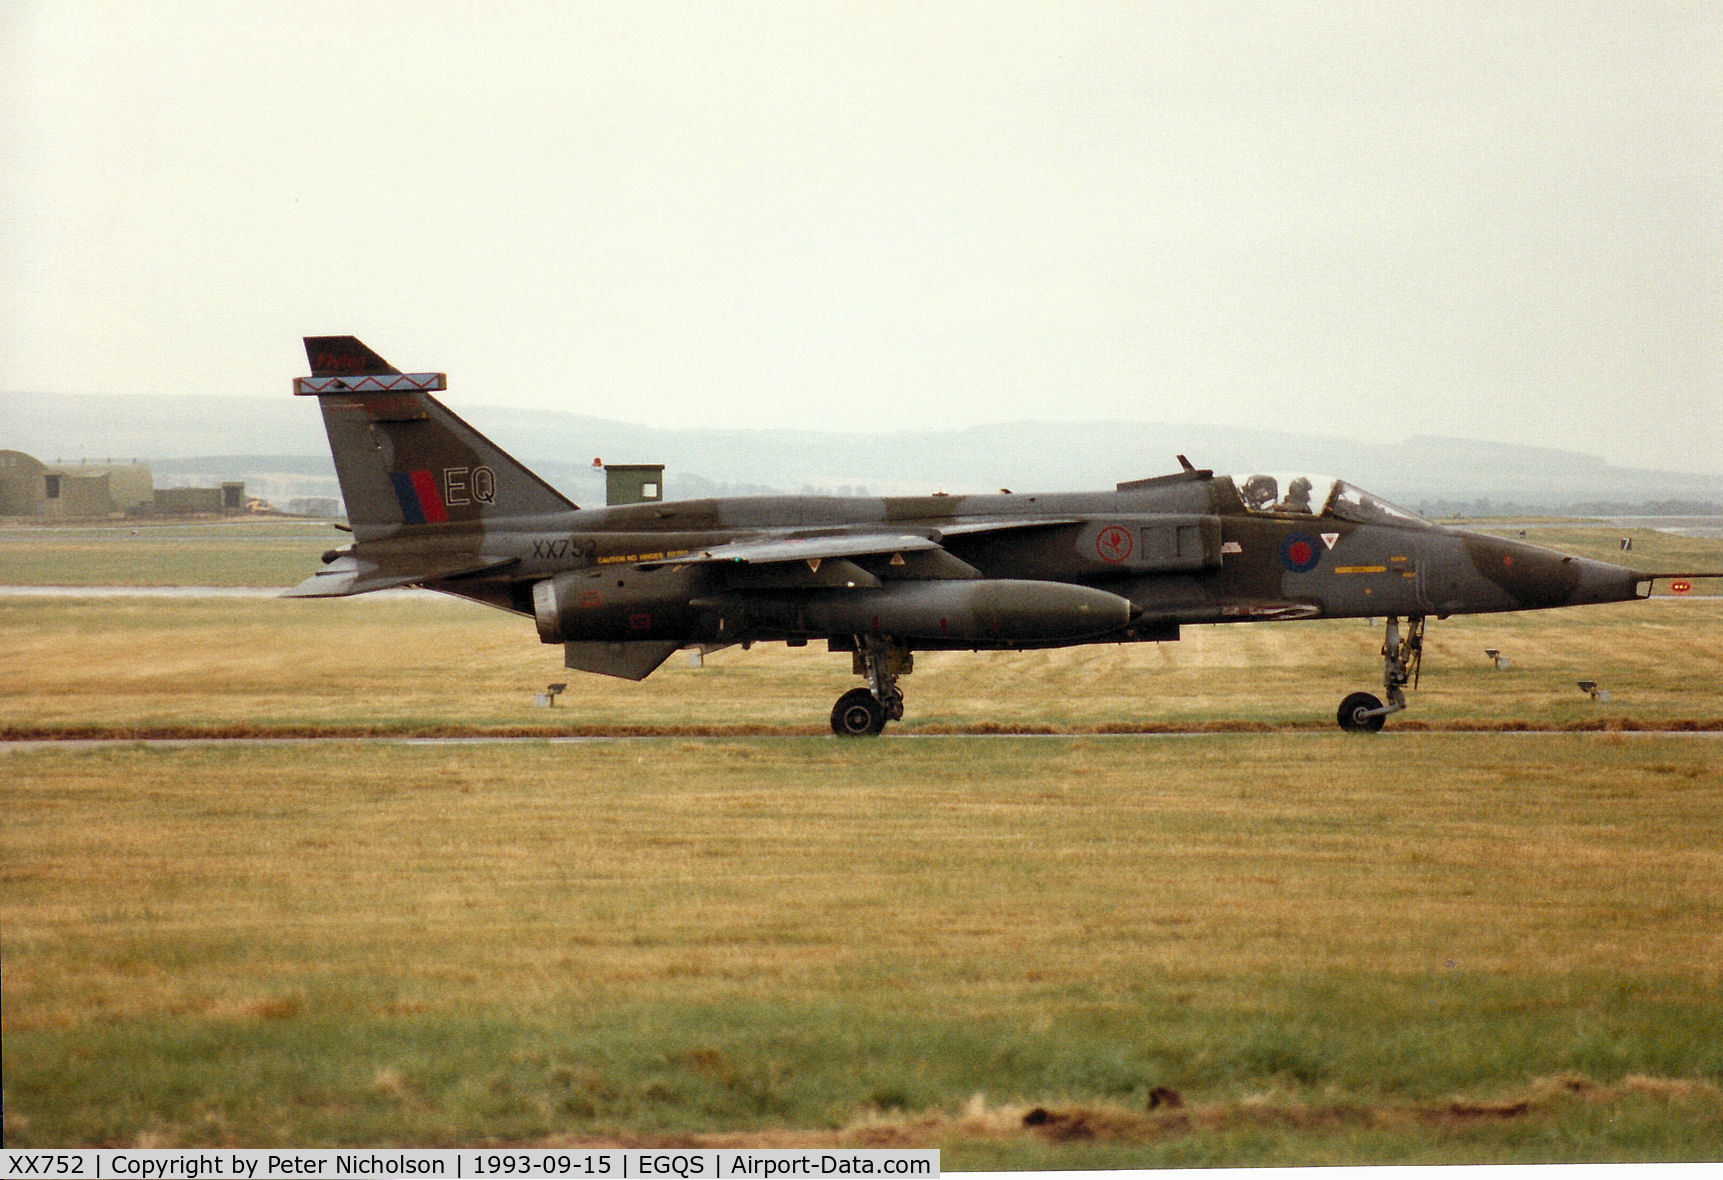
(969, 528)
(771, 550)
(352, 575)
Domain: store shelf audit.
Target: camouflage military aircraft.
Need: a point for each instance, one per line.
(433, 503)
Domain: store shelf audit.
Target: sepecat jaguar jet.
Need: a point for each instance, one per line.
(433, 503)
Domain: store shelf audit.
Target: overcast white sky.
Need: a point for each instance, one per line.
(1493, 220)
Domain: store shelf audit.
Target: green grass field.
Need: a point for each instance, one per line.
(1290, 946)
(1441, 948)
(241, 552)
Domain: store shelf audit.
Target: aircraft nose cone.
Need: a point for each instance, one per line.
(1535, 577)
(1599, 581)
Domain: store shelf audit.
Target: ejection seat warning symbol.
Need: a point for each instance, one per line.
(1113, 543)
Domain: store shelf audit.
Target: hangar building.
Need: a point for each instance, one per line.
(30, 487)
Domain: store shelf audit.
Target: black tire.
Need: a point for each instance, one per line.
(1354, 710)
(858, 713)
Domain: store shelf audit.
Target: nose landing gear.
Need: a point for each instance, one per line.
(1362, 712)
(863, 712)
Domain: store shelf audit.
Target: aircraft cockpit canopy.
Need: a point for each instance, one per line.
(1318, 495)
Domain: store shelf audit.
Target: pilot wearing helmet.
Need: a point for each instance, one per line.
(1297, 497)
(1259, 492)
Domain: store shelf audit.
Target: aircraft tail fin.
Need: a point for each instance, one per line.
(344, 356)
(404, 459)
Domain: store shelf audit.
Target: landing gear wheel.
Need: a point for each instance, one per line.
(858, 713)
(1401, 657)
(1361, 713)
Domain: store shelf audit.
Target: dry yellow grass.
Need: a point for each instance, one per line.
(970, 877)
(269, 664)
(675, 938)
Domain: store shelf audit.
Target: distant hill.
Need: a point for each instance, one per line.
(277, 446)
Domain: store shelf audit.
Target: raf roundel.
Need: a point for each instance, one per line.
(1300, 553)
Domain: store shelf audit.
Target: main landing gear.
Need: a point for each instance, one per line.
(1362, 712)
(863, 712)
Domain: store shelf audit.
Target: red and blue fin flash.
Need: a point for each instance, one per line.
(420, 501)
